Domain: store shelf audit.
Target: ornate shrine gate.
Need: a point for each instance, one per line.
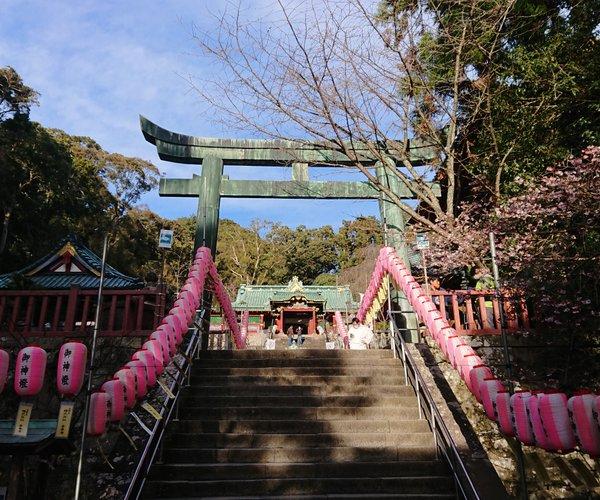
(213, 154)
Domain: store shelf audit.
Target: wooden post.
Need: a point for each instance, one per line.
(28, 313)
(16, 474)
(42, 317)
(71, 308)
(12, 325)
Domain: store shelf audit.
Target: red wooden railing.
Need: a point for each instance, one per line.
(467, 313)
(71, 313)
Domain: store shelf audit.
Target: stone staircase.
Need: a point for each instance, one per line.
(299, 423)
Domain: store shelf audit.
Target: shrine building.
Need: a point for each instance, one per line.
(293, 304)
(56, 295)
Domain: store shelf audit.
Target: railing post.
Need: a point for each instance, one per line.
(418, 397)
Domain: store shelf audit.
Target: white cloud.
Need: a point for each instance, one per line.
(98, 65)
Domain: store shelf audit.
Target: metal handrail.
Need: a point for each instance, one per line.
(154, 441)
(443, 439)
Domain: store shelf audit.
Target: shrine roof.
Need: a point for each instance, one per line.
(262, 297)
(70, 263)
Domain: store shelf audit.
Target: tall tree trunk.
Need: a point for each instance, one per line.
(4, 234)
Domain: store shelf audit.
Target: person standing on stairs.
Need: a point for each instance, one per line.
(360, 335)
(295, 338)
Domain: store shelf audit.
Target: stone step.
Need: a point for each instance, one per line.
(307, 470)
(356, 371)
(204, 379)
(302, 413)
(370, 401)
(303, 390)
(297, 353)
(302, 423)
(328, 496)
(303, 486)
(293, 440)
(294, 363)
(423, 451)
(298, 426)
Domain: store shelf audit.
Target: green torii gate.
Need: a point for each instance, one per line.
(212, 185)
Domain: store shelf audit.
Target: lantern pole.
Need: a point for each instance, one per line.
(90, 371)
(508, 366)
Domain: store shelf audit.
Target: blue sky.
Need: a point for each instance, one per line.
(99, 64)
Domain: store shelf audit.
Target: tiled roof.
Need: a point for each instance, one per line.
(44, 278)
(261, 297)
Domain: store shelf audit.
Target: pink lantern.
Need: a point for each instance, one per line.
(4, 363)
(557, 424)
(172, 337)
(504, 415)
(163, 339)
(460, 353)
(70, 369)
(127, 379)
(155, 348)
(115, 399)
(520, 411)
(175, 324)
(468, 362)
(96, 424)
(489, 389)
(29, 371)
(192, 287)
(478, 374)
(183, 308)
(533, 403)
(139, 370)
(149, 361)
(581, 408)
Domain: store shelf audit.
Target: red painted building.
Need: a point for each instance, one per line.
(56, 296)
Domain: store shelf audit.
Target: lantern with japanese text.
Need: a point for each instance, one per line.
(70, 369)
(96, 424)
(139, 370)
(149, 361)
(115, 399)
(127, 378)
(30, 370)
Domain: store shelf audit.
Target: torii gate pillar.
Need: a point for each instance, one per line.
(209, 203)
(394, 222)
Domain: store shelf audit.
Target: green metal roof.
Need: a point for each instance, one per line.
(262, 297)
(41, 274)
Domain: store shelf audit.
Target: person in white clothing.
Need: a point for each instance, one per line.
(360, 335)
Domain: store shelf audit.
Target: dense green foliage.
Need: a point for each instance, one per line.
(527, 75)
(54, 183)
